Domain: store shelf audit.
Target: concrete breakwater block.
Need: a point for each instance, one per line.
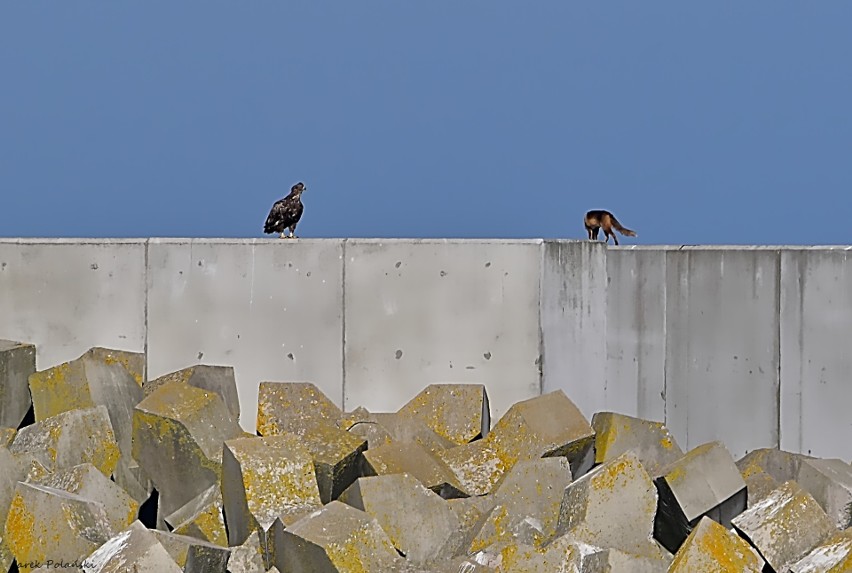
(178, 435)
(418, 522)
(705, 481)
(264, 479)
(711, 547)
(17, 363)
(785, 525)
(430, 488)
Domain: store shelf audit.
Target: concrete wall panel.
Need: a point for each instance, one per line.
(816, 362)
(574, 322)
(722, 348)
(272, 309)
(425, 311)
(67, 295)
(636, 331)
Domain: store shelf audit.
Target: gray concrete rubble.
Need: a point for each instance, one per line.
(526, 504)
(612, 507)
(418, 522)
(178, 434)
(247, 557)
(87, 481)
(458, 412)
(785, 525)
(193, 555)
(17, 362)
(711, 547)
(44, 524)
(396, 458)
(651, 441)
(201, 517)
(765, 469)
(833, 555)
(264, 478)
(134, 549)
(430, 488)
(100, 376)
(84, 435)
(218, 379)
(705, 481)
(830, 482)
(293, 407)
(401, 428)
(337, 537)
(549, 425)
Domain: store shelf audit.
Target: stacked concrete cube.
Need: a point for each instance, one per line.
(17, 363)
(429, 488)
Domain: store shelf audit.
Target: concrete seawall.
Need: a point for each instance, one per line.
(742, 344)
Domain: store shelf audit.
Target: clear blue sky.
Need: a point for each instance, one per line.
(714, 122)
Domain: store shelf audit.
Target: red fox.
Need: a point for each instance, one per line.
(597, 219)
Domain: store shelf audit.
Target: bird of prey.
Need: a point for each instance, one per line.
(286, 212)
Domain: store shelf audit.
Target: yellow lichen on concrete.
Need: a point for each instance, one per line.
(453, 411)
(21, 535)
(208, 525)
(7, 435)
(711, 547)
(133, 362)
(59, 389)
(173, 436)
(361, 550)
(294, 407)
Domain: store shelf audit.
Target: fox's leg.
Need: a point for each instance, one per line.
(614, 238)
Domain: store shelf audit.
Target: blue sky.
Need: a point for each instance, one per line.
(720, 123)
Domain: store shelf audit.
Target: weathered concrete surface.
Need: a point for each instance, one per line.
(336, 538)
(412, 459)
(201, 517)
(478, 324)
(88, 482)
(834, 555)
(765, 469)
(830, 482)
(651, 441)
(71, 438)
(458, 412)
(612, 506)
(816, 317)
(193, 555)
(573, 327)
(713, 355)
(293, 407)
(178, 433)
(135, 547)
(272, 310)
(526, 504)
(711, 547)
(636, 331)
(705, 481)
(785, 526)
(17, 362)
(99, 377)
(66, 295)
(547, 425)
(134, 362)
(50, 524)
(301, 409)
(399, 428)
(418, 522)
(247, 557)
(265, 478)
(219, 379)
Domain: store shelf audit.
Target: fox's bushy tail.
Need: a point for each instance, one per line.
(622, 229)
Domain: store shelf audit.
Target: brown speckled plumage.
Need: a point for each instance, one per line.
(286, 212)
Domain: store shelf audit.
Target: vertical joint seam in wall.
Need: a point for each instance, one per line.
(777, 349)
(147, 287)
(343, 326)
(541, 269)
(665, 339)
